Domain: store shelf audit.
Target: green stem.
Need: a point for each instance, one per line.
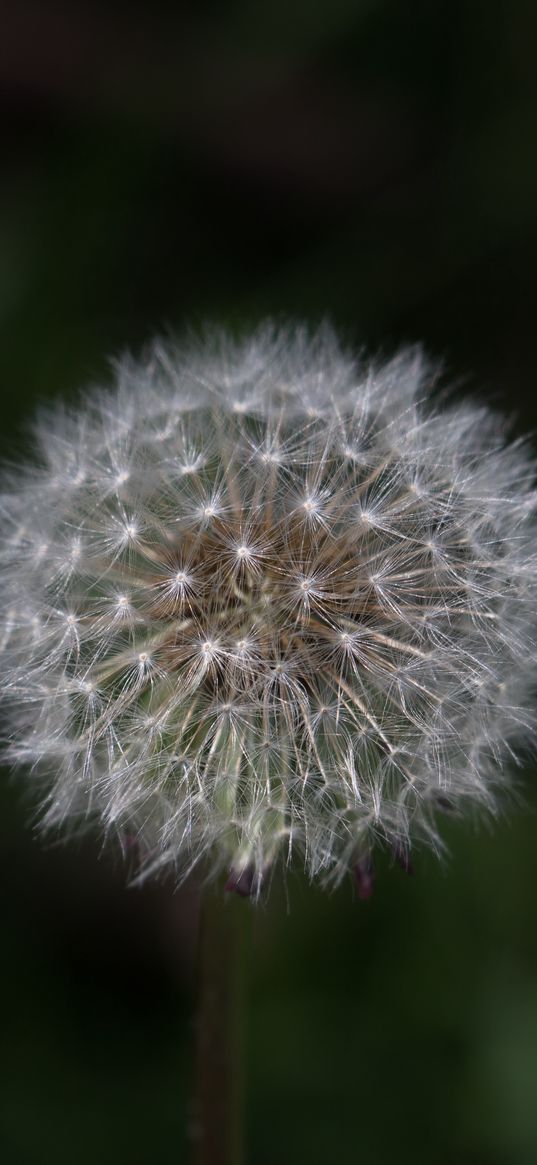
(217, 1129)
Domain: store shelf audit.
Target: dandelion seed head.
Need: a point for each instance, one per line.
(264, 602)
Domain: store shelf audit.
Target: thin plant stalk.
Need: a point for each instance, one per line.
(218, 1105)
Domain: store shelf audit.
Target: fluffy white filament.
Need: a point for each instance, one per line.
(261, 600)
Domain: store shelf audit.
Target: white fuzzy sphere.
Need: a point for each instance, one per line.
(262, 600)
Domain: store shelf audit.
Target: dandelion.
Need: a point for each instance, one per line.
(264, 602)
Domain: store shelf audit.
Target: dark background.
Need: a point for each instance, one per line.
(370, 161)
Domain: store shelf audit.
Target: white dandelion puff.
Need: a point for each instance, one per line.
(262, 602)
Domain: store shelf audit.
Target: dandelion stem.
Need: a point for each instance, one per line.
(217, 1130)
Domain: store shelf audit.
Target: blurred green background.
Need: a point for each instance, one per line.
(370, 161)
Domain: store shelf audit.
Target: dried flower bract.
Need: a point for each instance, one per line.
(263, 601)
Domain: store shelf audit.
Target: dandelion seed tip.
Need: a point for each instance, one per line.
(241, 881)
(364, 878)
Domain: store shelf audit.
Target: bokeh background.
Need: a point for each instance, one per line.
(374, 162)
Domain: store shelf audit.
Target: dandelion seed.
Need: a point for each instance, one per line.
(262, 603)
